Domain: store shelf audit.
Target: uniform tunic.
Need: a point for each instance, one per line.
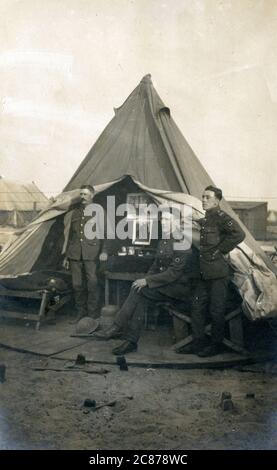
(219, 234)
(79, 247)
(168, 280)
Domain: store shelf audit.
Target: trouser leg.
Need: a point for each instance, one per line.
(79, 288)
(154, 295)
(126, 311)
(199, 305)
(92, 288)
(130, 318)
(136, 319)
(135, 325)
(218, 295)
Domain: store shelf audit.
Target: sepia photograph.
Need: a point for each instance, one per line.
(127, 341)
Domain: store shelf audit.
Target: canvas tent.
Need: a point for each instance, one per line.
(19, 203)
(143, 143)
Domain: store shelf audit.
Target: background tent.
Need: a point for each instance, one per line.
(143, 142)
(19, 203)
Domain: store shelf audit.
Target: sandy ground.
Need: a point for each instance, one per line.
(154, 409)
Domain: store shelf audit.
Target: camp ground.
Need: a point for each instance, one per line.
(140, 154)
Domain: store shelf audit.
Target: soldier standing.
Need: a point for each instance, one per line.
(82, 255)
(219, 234)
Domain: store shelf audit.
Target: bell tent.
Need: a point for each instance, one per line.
(142, 149)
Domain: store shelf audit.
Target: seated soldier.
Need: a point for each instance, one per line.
(167, 280)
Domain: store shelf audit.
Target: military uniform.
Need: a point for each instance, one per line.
(168, 279)
(219, 234)
(83, 257)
